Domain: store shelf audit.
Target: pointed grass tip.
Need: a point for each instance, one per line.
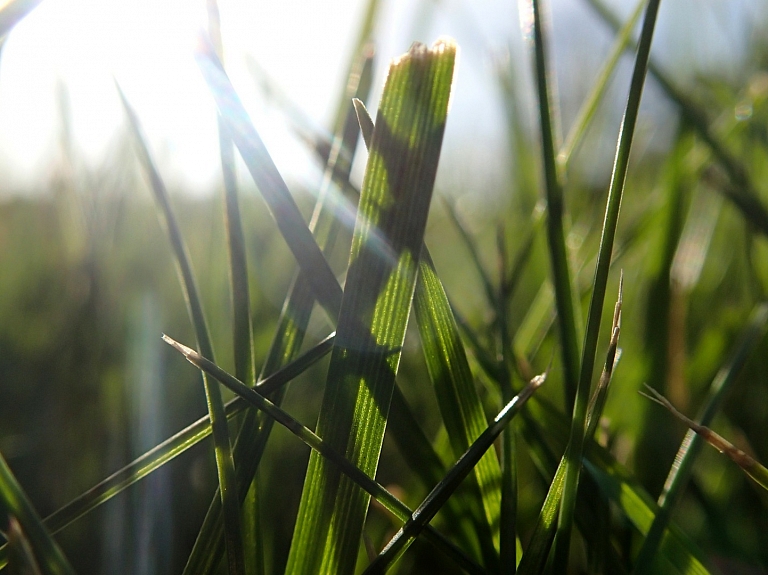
(187, 352)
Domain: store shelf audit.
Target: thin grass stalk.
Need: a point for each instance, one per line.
(598, 91)
(754, 469)
(575, 448)
(440, 494)
(225, 464)
(319, 445)
(691, 445)
(743, 193)
(170, 448)
(293, 321)
(270, 183)
(535, 556)
(508, 515)
(569, 345)
(380, 283)
(15, 504)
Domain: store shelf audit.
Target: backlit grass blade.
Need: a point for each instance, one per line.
(691, 445)
(575, 447)
(457, 397)
(291, 326)
(394, 203)
(271, 184)
(598, 91)
(225, 464)
(14, 504)
(320, 446)
(743, 192)
(748, 464)
(170, 448)
(440, 494)
(21, 558)
(561, 277)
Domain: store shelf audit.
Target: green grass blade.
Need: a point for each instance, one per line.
(291, 326)
(743, 192)
(561, 278)
(598, 91)
(457, 396)
(225, 464)
(394, 203)
(440, 494)
(575, 447)
(14, 504)
(271, 185)
(318, 445)
(170, 448)
(689, 449)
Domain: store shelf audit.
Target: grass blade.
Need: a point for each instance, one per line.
(457, 396)
(14, 12)
(394, 203)
(318, 445)
(170, 448)
(691, 445)
(271, 184)
(599, 86)
(14, 503)
(561, 277)
(747, 463)
(225, 464)
(575, 447)
(440, 494)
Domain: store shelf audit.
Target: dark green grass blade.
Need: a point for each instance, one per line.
(457, 396)
(291, 326)
(170, 448)
(394, 203)
(561, 278)
(440, 494)
(574, 451)
(271, 185)
(321, 446)
(21, 558)
(689, 449)
(14, 504)
(742, 191)
(223, 449)
(599, 88)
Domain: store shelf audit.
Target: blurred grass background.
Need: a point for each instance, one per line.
(88, 284)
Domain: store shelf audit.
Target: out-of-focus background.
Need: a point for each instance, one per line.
(88, 284)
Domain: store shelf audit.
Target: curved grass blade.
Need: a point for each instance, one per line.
(440, 494)
(225, 464)
(748, 464)
(575, 447)
(394, 203)
(171, 447)
(291, 326)
(318, 445)
(21, 557)
(691, 445)
(569, 345)
(14, 12)
(14, 503)
(270, 183)
(457, 397)
(599, 86)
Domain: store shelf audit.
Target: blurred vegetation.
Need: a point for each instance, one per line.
(88, 284)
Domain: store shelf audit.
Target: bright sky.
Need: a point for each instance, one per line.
(146, 45)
